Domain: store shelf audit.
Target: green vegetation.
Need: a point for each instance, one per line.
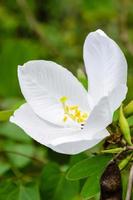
(52, 30)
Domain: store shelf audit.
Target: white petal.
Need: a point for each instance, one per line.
(37, 128)
(62, 140)
(43, 83)
(78, 146)
(100, 117)
(116, 96)
(106, 67)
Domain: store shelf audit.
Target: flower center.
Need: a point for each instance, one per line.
(73, 112)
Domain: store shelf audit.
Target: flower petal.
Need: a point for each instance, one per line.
(100, 117)
(43, 83)
(37, 128)
(118, 94)
(79, 145)
(106, 67)
(62, 140)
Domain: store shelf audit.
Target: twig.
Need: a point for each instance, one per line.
(130, 183)
(129, 147)
(24, 155)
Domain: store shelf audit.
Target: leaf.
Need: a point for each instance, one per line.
(54, 185)
(88, 167)
(13, 132)
(16, 159)
(125, 176)
(9, 190)
(9, 63)
(91, 186)
(77, 158)
(29, 192)
(4, 167)
(5, 115)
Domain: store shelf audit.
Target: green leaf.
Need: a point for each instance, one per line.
(54, 185)
(88, 167)
(4, 167)
(91, 186)
(77, 158)
(29, 192)
(125, 176)
(24, 149)
(5, 115)
(13, 132)
(11, 191)
(9, 63)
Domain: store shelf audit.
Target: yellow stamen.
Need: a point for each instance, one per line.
(66, 109)
(73, 107)
(73, 112)
(77, 113)
(63, 99)
(65, 118)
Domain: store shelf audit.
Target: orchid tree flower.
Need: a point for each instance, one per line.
(59, 113)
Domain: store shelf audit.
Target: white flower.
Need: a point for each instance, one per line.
(59, 112)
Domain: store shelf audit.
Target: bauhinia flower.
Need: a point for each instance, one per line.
(59, 113)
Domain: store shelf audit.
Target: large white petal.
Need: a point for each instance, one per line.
(100, 117)
(43, 83)
(37, 128)
(106, 68)
(62, 140)
(78, 146)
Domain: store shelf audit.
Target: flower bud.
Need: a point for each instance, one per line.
(115, 150)
(125, 161)
(128, 110)
(124, 127)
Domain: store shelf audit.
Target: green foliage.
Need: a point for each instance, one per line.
(88, 167)
(124, 126)
(27, 170)
(9, 190)
(5, 115)
(91, 186)
(54, 185)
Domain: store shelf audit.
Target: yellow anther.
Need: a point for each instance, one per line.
(63, 99)
(72, 117)
(77, 113)
(73, 107)
(65, 118)
(73, 112)
(80, 120)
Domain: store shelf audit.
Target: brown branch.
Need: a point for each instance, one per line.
(130, 183)
(129, 147)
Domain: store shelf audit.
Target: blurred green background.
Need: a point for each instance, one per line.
(51, 30)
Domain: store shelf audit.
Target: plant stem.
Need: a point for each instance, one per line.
(129, 147)
(130, 183)
(24, 155)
